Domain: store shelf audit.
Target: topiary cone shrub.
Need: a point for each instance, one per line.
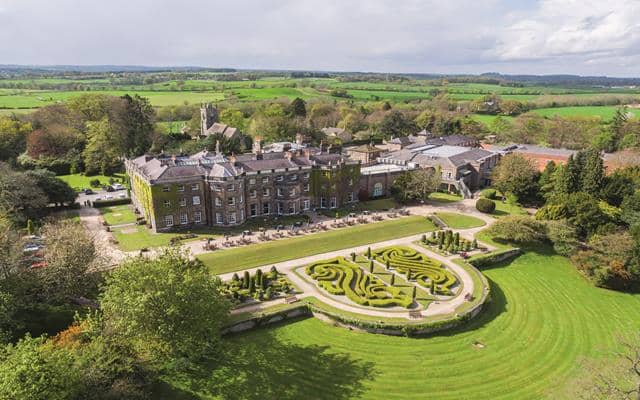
(485, 205)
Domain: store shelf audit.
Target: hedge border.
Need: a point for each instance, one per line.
(109, 203)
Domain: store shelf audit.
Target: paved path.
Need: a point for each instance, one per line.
(92, 219)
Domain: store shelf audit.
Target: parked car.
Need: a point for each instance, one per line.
(30, 248)
(122, 196)
(117, 186)
(108, 197)
(109, 188)
(88, 191)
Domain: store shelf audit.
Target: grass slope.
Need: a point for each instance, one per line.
(543, 318)
(459, 221)
(281, 250)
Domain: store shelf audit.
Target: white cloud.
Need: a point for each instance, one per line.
(593, 29)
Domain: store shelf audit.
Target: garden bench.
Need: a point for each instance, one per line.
(290, 299)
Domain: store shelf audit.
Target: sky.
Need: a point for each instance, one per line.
(586, 37)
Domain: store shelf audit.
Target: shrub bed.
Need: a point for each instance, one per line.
(261, 286)
(484, 260)
(109, 203)
(427, 272)
(341, 277)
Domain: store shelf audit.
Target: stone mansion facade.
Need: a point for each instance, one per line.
(211, 189)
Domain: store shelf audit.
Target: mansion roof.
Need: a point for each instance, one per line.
(205, 163)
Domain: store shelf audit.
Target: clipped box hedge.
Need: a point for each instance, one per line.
(109, 203)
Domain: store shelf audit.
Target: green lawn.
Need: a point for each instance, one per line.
(143, 237)
(543, 319)
(441, 197)
(281, 250)
(459, 221)
(118, 215)
(504, 209)
(79, 181)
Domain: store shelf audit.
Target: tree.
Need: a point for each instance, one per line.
(395, 123)
(592, 174)
(618, 379)
(417, 184)
(72, 260)
(518, 229)
(485, 205)
(58, 191)
(563, 236)
(609, 261)
(516, 175)
(137, 120)
(616, 187)
(546, 177)
(102, 153)
(13, 136)
(580, 209)
(34, 370)
(298, 108)
(567, 178)
(631, 209)
(169, 309)
(232, 117)
(20, 195)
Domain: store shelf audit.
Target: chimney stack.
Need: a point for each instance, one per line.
(257, 145)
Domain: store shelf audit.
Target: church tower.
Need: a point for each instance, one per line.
(208, 116)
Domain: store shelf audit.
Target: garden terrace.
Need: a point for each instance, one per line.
(426, 272)
(261, 286)
(340, 277)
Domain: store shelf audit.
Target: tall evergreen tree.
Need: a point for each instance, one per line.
(592, 176)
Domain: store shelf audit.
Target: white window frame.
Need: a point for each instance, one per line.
(195, 186)
(180, 188)
(279, 178)
(252, 181)
(292, 192)
(265, 179)
(232, 217)
(306, 205)
(166, 188)
(307, 175)
(241, 198)
(378, 189)
(218, 202)
(196, 200)
(167, 204)
(253, 193)
(278, 191)
(268, 205)
(184, 219)
(231, 188)
(231, 201)
(323, 202)
(217, 188)
(168, 220)
(197, 217)
(350, 197)
(294, 177)
(333, 202)
(183, 202)
(280, 208)
(253, 210)
(307, 187)
(219, 219)
(266, 192)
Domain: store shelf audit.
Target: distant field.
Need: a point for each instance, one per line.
(606, 113)
(35, 98)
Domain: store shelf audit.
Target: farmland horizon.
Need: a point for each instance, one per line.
(102, 68)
